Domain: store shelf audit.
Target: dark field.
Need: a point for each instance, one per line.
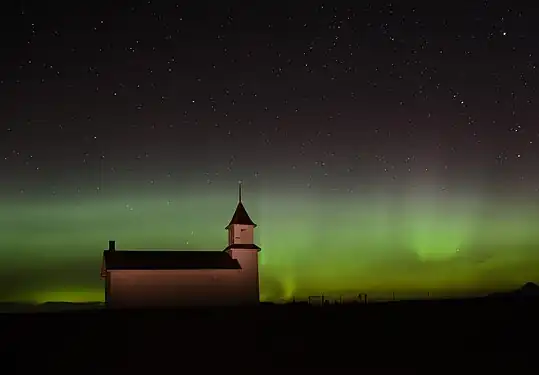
(483, 334)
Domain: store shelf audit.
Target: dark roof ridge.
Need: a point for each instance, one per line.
(167, 260)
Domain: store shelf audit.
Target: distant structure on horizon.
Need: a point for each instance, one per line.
(152, 278)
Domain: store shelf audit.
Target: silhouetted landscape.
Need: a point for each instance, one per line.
(488, 332)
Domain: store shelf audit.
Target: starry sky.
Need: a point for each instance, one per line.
(383, 147)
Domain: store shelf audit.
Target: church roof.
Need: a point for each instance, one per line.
(168, 260)
(242, 246)
(240, 217)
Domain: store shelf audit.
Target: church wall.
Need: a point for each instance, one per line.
(132, 288)
(249, 278)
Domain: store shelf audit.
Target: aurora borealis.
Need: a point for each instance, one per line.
(336, 246)
(384, 148)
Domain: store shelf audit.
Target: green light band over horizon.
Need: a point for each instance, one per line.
(343, 245)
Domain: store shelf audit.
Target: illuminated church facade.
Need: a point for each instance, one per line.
(176, 278)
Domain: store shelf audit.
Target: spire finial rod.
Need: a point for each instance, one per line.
(239, 191)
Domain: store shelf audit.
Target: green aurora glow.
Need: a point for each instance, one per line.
(51, 250)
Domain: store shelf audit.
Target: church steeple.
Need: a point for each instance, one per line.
(240, 217)
(241, 227)
(241, 247)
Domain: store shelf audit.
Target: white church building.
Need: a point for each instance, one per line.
(176, 278)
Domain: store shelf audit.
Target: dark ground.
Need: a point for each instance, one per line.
(484, 334)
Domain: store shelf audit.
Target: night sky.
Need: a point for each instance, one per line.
(383, 147)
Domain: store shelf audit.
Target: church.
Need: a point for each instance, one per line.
(177, 278)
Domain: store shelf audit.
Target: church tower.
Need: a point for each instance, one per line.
(242, 248)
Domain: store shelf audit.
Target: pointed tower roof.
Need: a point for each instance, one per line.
(240, 215)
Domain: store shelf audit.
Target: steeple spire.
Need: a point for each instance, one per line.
(239, 191)
(240, 215)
